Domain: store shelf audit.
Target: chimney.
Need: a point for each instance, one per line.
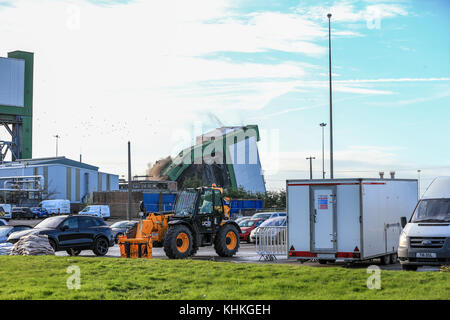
(392, 174)
(381, 173)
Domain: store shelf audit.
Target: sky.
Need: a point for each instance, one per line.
(158, 73)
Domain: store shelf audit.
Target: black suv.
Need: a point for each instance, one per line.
(73, 234)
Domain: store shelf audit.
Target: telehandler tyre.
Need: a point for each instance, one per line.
(178, 242)
(226, 242)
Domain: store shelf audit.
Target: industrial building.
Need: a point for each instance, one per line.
(55, 178)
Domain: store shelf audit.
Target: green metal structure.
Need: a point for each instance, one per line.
(195, 154)
(18, 121)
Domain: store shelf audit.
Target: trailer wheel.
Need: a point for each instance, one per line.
(394, 258)
(384, 260)
(227, 241)
(178, 242)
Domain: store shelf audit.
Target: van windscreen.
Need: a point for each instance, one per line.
(432, 210)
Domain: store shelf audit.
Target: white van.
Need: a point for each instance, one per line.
(425, 240)
(5, 211)
(56, 207)
(97, 210)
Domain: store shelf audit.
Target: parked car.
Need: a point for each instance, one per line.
(56, 206)
(425, 239)
(22, 213)
(268, 215)
(247, 226)
(5, 211)
(241, 219)
(119, 228)
(6, 231)
(73, 233)
(97, 210)
(40, 212)
(273, 222)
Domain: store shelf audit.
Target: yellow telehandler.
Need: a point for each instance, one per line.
(201, 218)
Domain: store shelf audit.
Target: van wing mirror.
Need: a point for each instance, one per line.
(403, 221)
(64, 228)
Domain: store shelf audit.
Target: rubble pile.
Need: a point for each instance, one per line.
(32, 245)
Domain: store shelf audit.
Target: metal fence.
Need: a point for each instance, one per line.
(271, 242)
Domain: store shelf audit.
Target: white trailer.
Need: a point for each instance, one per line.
(347, 219)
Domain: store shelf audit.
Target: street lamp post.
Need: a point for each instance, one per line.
(418, 184)
(331, 104)
(310, 166)
(323, 149)
(57, 137)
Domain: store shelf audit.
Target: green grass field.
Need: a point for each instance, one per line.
(108, 278)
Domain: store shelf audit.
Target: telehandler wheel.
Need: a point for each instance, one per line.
(178, 242)
(226, 242)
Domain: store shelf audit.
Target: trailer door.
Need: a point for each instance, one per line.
(323, 215)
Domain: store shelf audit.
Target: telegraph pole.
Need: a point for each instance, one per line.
(310, 166)
(331, 104)
(130, 184)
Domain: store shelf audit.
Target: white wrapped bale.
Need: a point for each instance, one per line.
(32, 245)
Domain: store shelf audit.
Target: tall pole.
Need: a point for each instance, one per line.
(130, 184)
(323, 149)
(310, 166)
(331, 104)
(418, 184)
(57, 137)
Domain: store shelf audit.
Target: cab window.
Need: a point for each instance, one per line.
(206, 202)
(218, 205)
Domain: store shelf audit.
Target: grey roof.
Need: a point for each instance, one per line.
(54, 160)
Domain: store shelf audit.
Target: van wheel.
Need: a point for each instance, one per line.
(407, 267)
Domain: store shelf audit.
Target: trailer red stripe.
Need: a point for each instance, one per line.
(333, 184)
(322, 184)
(302, 254)
(374, 182)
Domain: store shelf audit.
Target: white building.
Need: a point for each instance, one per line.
(60, 178)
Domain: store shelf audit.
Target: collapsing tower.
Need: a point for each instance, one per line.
(226, 156)
(16, 104)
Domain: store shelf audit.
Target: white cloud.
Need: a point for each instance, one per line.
(346, 11)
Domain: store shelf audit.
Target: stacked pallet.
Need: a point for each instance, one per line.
(32, 245)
